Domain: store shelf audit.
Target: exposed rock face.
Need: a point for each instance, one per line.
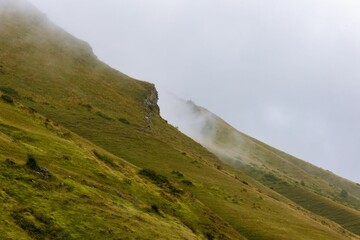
(151, 101)
(152, 107)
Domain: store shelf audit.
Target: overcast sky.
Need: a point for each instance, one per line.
(284, 71)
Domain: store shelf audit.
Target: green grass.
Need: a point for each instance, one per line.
(84, 197)
(345, 216)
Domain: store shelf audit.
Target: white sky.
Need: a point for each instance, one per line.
(284, 71)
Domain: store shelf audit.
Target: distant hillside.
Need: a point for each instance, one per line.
(313, 188)
(84, 154)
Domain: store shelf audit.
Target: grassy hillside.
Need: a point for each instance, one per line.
(95, 132)
(313, 188)
(76, 190)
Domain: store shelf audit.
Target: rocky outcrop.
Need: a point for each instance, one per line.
(151, 106)
(151, 100)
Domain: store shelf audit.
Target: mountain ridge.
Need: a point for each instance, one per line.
(269, 165)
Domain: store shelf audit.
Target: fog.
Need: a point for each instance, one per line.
(285, 71)
(204, 127)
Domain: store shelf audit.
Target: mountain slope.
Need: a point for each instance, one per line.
(313, 188)
(77, 190)
(48, 70)
(44, 202)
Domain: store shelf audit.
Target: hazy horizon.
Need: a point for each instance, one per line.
(284, 72)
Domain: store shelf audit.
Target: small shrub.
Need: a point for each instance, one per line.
(302, 183)
(8, 90)
(7, 99)
(270, 178)
(209, 236)
(177, 173)
(153, 176)
(10, 162)
(103, 115)
(344, 194)
(161, 181)
(245, 182)
(155, 209)
(285, 183)
(187, 182)
(38, 225)
(31, 163)
(124, 121)
(27, 225)
(175, 191)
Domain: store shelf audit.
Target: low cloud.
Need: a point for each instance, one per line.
(284, 71)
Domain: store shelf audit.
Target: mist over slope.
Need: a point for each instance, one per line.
(99, 134)
(289, 68)
(308, 183)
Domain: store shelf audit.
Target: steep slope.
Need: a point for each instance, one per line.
(75, 190)
(46, 69)
(313, 188)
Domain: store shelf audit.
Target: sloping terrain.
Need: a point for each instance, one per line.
(313, 188)
(75, 190)
(107, 165)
